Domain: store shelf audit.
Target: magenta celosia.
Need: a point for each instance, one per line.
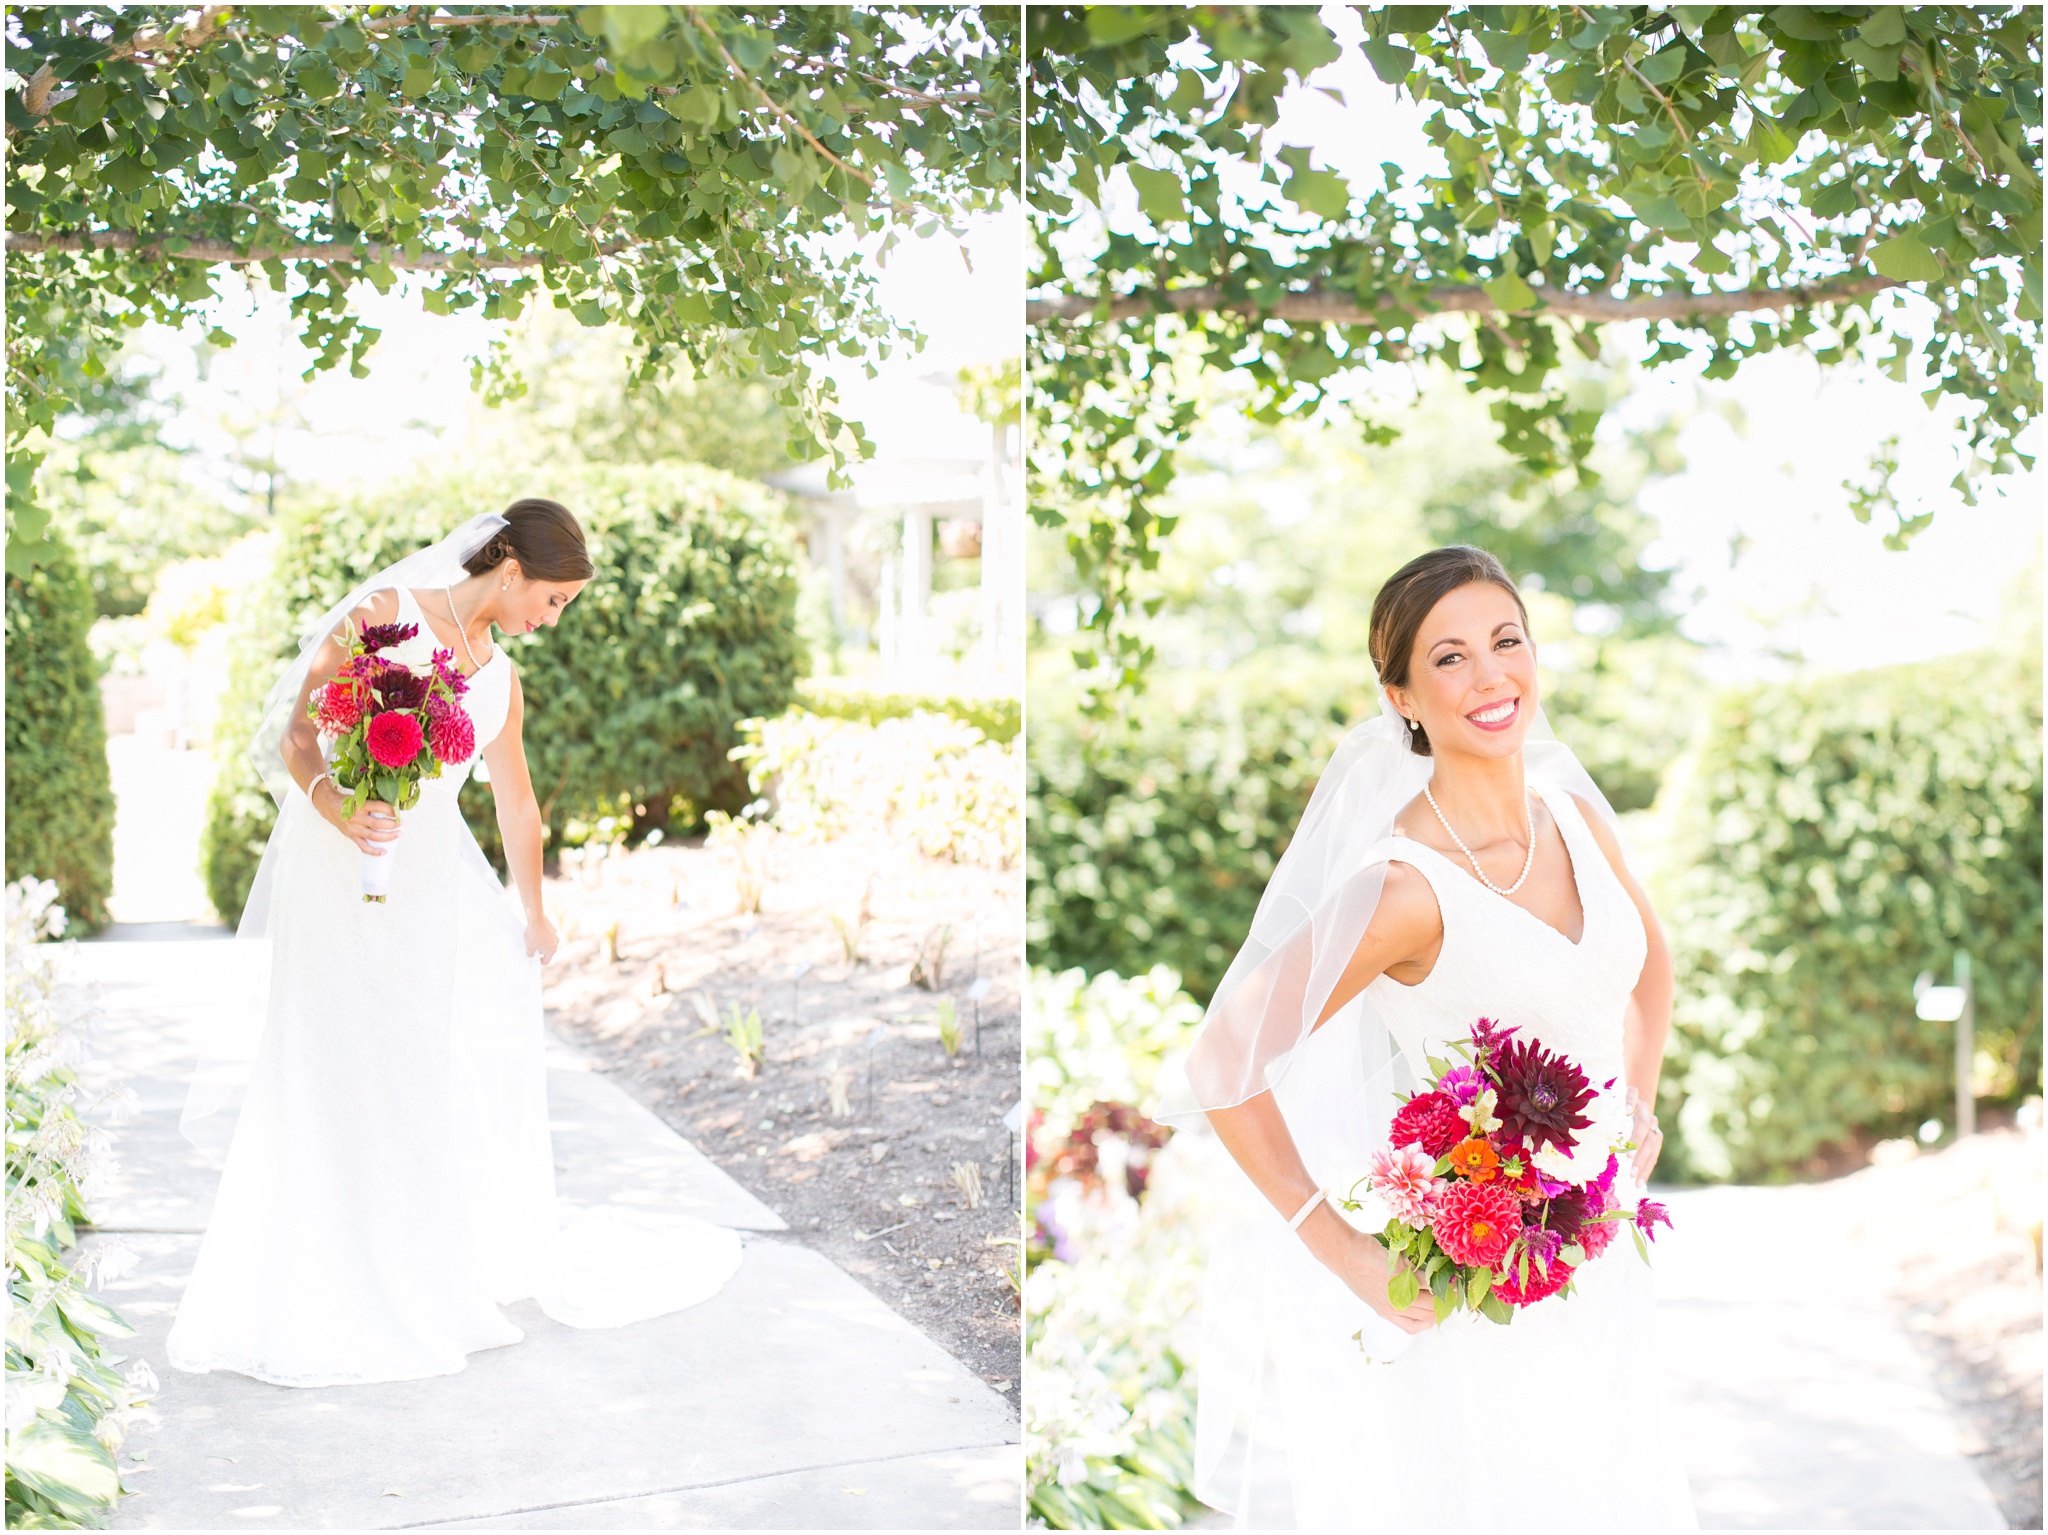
(393, 739)
(378, 637)
(1533, 1272)
(1474, 1222)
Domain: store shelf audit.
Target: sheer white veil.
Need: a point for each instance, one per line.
(222, 1072)
(1336, 1086)
(1317, 906)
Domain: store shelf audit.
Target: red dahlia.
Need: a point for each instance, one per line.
(394, 739)
(1431, 1121)
(341, 706)
(1545, 1272)
(1475, 1222)
(1541, 1094)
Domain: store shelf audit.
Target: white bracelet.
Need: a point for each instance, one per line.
(1305, 1211)
(316, 784)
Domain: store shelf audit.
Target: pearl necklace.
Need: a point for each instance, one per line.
(476, 666)
(1527, 863)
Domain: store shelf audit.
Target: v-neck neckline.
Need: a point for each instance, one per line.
(1572, 858)
(496, 649)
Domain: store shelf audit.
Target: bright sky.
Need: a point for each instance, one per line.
(1758, 522)
(418, 399)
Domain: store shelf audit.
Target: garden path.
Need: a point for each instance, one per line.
(1798, 1396)
(793, 1399)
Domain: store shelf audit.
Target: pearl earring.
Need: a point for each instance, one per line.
(1415, 725)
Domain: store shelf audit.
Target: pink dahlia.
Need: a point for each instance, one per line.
(1431, 1121)
(1405, 1177)
(1474, 1222)
(449, 731)
(394, 738)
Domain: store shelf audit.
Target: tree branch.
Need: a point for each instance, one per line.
(330, 251)
(1321, 306)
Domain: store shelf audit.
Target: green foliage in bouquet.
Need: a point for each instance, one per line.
(1152, 844)
(66, 1400)
(633, 700)
(1835, 839)
(60, 798)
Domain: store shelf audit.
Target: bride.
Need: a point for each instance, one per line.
(389, 1181)
(1454, 863)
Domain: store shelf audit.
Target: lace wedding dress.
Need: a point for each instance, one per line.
(390, 1182)
(1555, 1421)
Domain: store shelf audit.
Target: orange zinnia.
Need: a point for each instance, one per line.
(1476, 1160)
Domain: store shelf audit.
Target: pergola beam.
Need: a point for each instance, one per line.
(1313, 306)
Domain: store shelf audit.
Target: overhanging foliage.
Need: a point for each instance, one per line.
(1744, 178)
(698, 174)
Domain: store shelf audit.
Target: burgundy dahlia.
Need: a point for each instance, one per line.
(1541, 1095)
(1474, 1222)
(394, 739)
(449, 731)
(1431, 1121)
(1570, 1211)
(378, 637)
(399, 688)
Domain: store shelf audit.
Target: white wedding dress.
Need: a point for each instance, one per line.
(1555, 1421)
(390, 1181)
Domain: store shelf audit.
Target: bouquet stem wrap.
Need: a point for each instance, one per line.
(377, 870)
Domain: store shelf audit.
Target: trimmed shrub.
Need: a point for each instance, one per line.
(1151, 844)
(60, 796)
(997, 718)
(1833, 839)
(632, 701)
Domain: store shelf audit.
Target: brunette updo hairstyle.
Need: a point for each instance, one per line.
(543, 537)
(1405, 601)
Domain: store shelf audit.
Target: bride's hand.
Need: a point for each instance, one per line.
(1365, 1267)
(375, 823)
(1648, 1138)
(541, 939)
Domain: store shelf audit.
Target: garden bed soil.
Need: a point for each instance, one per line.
(656, 957)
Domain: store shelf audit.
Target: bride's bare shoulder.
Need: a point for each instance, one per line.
(1407, 905)
(379, 607)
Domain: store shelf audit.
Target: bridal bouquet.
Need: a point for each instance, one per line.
(392, 726)
(1499, 1180)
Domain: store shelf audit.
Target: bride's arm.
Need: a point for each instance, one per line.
(519, 823)
(1649, 1008)
(376, 822)
(1405, 927)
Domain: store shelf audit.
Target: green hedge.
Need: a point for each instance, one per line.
(1832, 840)
(60, 796)
(632, 700)
(997, 718)
(1151, 844)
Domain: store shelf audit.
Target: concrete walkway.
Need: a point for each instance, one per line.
(1798, 1399)
(793, 1399)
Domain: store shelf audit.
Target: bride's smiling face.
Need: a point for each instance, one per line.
(1472, 675)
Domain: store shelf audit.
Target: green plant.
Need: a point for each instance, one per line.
(949, 1027)
(749, 836)
(999, 719)
(926, 779)
(1833, 839)
(60, 796)
(1151, 844)
(67, 1400)
(632, 701)
(743, 1033)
